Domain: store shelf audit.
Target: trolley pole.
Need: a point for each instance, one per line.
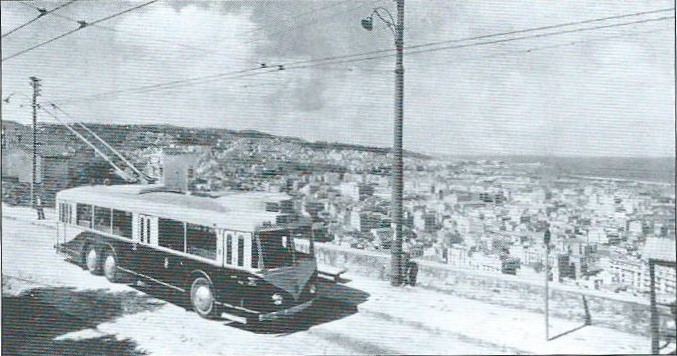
(398, 174)
(35, 83)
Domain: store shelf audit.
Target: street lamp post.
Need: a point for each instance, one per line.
(35, 83)
(396, 277)
(546, 241)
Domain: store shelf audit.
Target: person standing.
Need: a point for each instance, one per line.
(410, 268)
(39, 208)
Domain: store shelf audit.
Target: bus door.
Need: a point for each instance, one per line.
(142, 251)
(64, 233)
(60, 224)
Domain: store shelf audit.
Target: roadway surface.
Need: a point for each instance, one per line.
(51, 306)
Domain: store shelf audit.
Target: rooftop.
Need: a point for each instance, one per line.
(237, 211)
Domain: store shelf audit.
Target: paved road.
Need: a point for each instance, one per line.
(52, 306)
(70, 311)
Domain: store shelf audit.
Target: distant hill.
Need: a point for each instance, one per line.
(122, 136)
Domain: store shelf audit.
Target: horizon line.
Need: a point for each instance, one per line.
(445, 155)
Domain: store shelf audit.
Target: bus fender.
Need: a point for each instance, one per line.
(194, 274)
(88, 239)
(106, 247)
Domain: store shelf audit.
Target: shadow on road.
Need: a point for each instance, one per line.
(32, 320)
(334, 302)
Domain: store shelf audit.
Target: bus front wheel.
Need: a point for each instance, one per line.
(202, 297)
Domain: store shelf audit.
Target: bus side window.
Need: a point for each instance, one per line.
(122, 223)
(141, 228)
(171, 234)
(201, 241)
(102, 219)
(256, 255)
(229, 249)
(84, 215)
(65, 213)
(240, 251)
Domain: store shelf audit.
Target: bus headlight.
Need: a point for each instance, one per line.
(312, 289)
(277, 299)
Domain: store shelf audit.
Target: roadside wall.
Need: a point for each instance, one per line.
(623, 313)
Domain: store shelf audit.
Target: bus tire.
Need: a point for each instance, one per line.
(92, 259)
(110, 267)
(202, 298)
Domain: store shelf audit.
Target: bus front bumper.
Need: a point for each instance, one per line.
(286, 312)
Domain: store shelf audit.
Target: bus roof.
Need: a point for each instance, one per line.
(236, 211)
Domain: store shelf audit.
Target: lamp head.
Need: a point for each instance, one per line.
(368, 23)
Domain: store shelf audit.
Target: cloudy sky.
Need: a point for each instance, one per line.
(601, 92)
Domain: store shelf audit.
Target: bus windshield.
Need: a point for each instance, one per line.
(277, 248)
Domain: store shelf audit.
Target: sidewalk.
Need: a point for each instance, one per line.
(28, 214)
(495, 324)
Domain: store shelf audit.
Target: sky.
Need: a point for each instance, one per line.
(601, 92)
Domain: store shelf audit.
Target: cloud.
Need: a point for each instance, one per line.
(610, 96)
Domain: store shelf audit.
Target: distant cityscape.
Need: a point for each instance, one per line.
(476, 213)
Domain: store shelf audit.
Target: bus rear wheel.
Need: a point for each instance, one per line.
(110, 267)
(92, 260)
(202, 298)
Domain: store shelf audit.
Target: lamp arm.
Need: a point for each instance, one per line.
(392, 19)
(390, 23)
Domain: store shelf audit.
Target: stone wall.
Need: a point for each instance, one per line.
(613, 311)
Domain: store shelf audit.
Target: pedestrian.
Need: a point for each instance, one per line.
(409, 268)
(39, 208)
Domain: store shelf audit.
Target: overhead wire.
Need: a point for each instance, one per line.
(211, 51)
(488, 42)
(529, 50)
(550, 27)
(111, 29)
(360, 57)
(505, 53)
(456, 40)
(42, 13)
(157, 86)
(82, 25)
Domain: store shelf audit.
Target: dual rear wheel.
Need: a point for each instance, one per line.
(102, 263)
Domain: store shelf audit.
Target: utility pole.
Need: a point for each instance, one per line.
(396, 274)
(35, 83)
(398, 166)
(546, 240)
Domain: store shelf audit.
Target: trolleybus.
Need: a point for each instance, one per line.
(233, 256)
